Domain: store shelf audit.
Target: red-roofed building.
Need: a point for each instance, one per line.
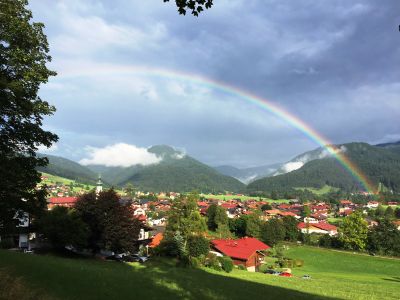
(321, 227)
(156, 240)
(61, 201)
(245, 251)
(227, 205)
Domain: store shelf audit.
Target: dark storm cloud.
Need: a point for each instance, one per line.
(334, 64)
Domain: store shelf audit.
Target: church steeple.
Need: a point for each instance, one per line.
(99, 186)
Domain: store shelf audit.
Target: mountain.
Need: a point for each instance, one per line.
(247, 175)
(317, 168)
(175, 172)
(68, 169)
(395, 147)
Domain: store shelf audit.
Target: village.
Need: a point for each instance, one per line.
(314, 218)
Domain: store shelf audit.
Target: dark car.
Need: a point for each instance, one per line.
(135, 258)
(272, 272)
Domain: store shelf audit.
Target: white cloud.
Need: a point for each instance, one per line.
(119, 155)
(291, 166)
(44, 149)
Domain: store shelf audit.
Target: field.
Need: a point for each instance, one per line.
(324, 190)
(52, 179)
(243, 198)
(335, 275)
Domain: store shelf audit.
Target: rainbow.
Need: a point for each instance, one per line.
(262, 103)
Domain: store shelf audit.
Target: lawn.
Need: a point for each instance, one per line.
(243, 198)
(334, 276)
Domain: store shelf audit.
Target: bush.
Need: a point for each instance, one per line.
(7, 243)
(299, 262)
(213, 262)
(198, 245)
(241, 267)
(226, 263)
(263, 268)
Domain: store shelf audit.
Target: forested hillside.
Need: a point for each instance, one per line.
(379, 164)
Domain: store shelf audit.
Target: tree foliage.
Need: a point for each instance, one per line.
(273, 231)
(353, 231)
(63, 227)
(195, 6)
(23, 57)
(112, 225)
(384, 238)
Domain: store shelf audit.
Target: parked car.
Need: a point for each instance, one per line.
(286, 274)
(272, 272)
(135, 258)
(306, 276)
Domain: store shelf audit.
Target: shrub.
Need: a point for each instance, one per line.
(299, 262)
(7, 243)
(213, 262)
(198, 245)
(263, 268)
(226, 263)
(241, 267)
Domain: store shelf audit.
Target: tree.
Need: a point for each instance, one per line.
(291, 230)
(23, 57)
(353, 231)
(184, 216)
(238, 225)
(112, 225)
(384, 238)
(217, 218)
(265, 207)
(273, 232)
(389, 213)
(274, 195)
(196, 6)
(253, 224)
(397, 213)
(198, 245)
(63, 227)
(380, 211)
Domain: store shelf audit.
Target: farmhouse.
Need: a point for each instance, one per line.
(321, 227)
(245, 251)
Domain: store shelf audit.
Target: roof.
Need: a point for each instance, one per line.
(287, 213)
(321, 225)
(62, 200)
(241, 249)
(228, 205)
(156, 240)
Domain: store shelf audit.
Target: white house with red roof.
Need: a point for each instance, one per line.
(321, 228)
(245, 251)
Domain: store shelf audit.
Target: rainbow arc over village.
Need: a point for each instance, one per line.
(264, 104)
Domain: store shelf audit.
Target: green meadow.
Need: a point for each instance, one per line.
(335, 275)
(321, 191)
(243, 198)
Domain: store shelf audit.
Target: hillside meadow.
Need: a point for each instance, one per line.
(335, 275)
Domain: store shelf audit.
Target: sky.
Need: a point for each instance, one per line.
(334, 64)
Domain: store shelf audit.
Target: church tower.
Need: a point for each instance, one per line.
(99, 186)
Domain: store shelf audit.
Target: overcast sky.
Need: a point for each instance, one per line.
(333, 64)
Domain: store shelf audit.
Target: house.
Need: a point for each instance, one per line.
(372, 204)
(321, 228)
(245, 251)
(61, 201)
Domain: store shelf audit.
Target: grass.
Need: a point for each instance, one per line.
(324, 190)
(243, 198)
(335, 275)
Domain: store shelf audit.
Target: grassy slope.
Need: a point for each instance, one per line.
(243, 198)
(334, 275)
(324, 190)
